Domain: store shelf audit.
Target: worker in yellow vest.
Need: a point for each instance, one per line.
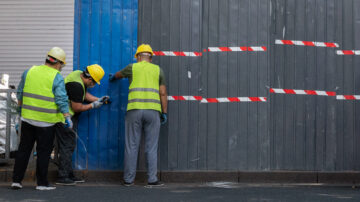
(76, 84)
(44, 106)
(147, 106)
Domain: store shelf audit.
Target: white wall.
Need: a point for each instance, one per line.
(30, 28)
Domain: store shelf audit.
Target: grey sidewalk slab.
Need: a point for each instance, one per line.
(199, 192)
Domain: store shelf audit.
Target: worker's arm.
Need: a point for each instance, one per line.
(124, 73)
(61, 98)
(90, 98)
(163, 98)
(162, 90)
(80, 107)
(118, 75)
(19, 93)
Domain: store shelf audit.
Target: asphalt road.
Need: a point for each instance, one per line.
(216, 191)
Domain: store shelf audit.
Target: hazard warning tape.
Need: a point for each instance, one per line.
(302, 92)
(217, 100)
(306, 43)
(262, 99)
(186, 97)
(210, 49)
(177, 53)
(229, 49)
(348, 97)
(234, 99)
(348, 52)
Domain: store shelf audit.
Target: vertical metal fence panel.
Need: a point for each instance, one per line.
(243, 85)
(356, 40)
(339, 82)
(347, 75)
(330, 73)
(193, 75)
(203, 121)
(277, 75)
(299, 77)
(105, 34)
(263, 82)
(232, 74)
(348, 85)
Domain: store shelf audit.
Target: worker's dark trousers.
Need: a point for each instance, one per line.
(44, 138)
(66, 139)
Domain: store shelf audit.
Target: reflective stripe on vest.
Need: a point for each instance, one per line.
(144, 88)
(38, 98)
(75, 77)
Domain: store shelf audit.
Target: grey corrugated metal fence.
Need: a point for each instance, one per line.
(288, 132)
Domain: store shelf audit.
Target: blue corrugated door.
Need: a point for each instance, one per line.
(105, 33)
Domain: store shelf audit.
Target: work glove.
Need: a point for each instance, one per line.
(112, 77)
(68, 122)
(105, 99)
(96, 104)
(163, 118)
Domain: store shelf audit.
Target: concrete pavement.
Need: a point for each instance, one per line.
(199, 192)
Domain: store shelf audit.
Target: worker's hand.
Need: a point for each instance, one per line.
(17, 128)
(105, 99)
(18, 110)
(163, 118)
(96, 104)
(68, 122)
(112, 77)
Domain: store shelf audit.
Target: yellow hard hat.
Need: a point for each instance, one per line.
(58, 54)
(144, 48)
(96, 72)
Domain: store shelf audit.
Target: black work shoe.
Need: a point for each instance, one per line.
(154, 184)
(65, 181)
(128, 184)
(77, 180)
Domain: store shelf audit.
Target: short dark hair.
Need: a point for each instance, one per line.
(145, 54)
(86, 73)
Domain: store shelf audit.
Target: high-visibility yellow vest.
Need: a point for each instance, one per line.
(144, 88)
(38, 97)
(75, 77)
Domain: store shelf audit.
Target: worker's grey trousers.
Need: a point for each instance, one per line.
(136, 122)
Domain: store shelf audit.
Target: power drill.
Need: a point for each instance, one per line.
(107, 100)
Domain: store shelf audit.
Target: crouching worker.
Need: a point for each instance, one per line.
(76, 83)
(44, 106)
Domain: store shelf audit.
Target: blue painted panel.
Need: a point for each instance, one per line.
(105, 33)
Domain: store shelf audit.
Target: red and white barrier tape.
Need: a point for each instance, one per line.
(306, 43)
(177, 53)
(185, 97)
(302, 92)
(234, 99)
(229, 49)
(262, 99)
(348, 97)
(348, 52)
(218, 100)
(210, 49)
